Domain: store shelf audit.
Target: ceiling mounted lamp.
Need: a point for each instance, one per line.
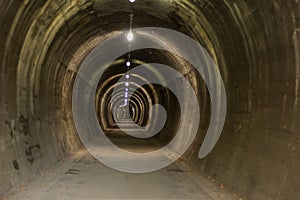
(131, 1)
(130, 36)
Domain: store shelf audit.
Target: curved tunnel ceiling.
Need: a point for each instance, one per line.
(254, 43)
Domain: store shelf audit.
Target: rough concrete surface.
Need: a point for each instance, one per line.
(255, 44)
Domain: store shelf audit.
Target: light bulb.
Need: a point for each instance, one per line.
(132, 1)
(127, 76)
(126, 89)
(127, 84)
(130, 36)
(128, 64)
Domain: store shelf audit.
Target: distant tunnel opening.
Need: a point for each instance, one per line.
(255, 45)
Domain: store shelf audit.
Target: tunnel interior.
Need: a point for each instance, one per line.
(121, 107)
(255, 44)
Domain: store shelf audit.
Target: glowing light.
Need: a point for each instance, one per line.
(127, 76)
(128, 64)
(127, 84)
(132, 1)
(126, 89)
(130, 36)
(126, 95)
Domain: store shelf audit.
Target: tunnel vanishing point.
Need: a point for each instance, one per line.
(87, 100)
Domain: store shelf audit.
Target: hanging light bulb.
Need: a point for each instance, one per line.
(126, 84)
(127, 76)
(128, 64)
(130, 36)
(126, 89)
(132, 1)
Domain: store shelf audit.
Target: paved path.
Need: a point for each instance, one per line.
(84, 178)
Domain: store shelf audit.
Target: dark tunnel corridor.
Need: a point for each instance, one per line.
(84, 87)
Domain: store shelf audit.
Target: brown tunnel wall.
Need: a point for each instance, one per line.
(254, 42)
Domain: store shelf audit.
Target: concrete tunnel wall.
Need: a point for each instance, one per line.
(255, 44)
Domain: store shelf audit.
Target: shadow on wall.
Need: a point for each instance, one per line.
(255, 43)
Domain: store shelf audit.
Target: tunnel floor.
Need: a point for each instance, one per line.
(81, 176)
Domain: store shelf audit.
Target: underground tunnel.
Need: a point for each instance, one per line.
(81, 92)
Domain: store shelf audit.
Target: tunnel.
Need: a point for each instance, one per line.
(72, 69)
